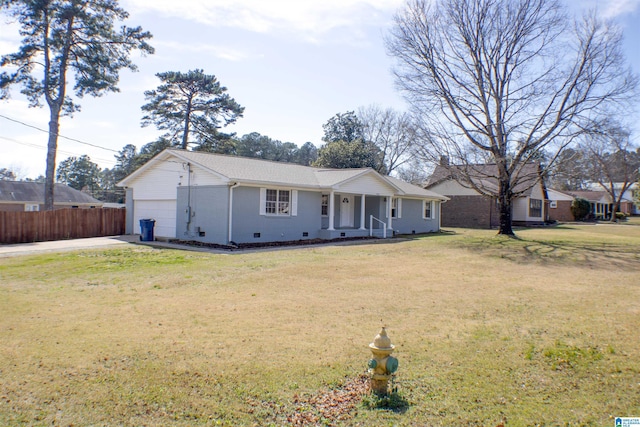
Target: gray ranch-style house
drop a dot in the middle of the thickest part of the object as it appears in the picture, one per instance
(220, 199)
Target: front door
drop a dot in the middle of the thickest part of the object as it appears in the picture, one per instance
(346, 211)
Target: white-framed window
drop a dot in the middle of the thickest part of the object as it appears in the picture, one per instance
(535, 208)
(324, 210)
(427, 209)
(278, 202)
(553, 204)
(31, 208)
(396, 207)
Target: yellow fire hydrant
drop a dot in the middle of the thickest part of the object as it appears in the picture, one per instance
(383, 365)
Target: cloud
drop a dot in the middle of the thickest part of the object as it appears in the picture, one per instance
(615, 8)
(309, 19)
(222, 52)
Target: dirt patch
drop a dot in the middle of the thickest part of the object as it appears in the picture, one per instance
(331, 406)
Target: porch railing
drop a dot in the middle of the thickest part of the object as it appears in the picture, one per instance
(384, 226)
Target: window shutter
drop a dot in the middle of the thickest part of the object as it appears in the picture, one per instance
(294, 203)
(399, 213)
(263, 201)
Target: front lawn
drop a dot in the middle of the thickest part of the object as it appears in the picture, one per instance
(540, 331)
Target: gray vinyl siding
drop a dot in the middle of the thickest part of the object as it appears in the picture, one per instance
(375, 206)
(209, 214)
(247, 221)
(412, 222)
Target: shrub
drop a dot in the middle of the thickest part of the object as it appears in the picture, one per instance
(580, 208)
(621, 216)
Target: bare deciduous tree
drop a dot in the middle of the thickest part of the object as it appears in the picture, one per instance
(612, 160)
(391, 131)
(502, 81)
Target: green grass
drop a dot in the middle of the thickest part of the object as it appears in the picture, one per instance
(536, 331)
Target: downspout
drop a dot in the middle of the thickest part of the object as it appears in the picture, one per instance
(230, 221)
(188, 197)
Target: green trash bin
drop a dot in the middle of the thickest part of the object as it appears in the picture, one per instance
(146, 229)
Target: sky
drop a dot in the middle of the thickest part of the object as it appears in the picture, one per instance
(292, 64)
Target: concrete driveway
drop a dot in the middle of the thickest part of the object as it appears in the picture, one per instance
(64, 245)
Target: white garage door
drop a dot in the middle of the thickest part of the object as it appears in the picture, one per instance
(163, 211)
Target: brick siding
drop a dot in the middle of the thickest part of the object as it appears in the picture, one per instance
(470, 212)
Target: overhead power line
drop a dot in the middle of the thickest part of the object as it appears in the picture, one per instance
(68, 153)
(59, 135)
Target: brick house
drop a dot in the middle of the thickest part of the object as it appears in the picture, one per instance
(29, 196)
(559, 206)
(468, 208)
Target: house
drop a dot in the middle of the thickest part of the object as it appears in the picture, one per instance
(467, 207)
(559, 206)
(29, 196)
(219, 199)
(628, 202)
(601, 204)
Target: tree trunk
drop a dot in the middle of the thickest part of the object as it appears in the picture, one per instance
(52, 148)
(187, 120)
(504, 207)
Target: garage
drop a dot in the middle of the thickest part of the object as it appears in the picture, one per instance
(162, 211)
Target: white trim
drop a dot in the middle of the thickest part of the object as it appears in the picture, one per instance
(263, 201)
(362, 216)
(431, 209)
(331, 211)
(230, 221)
(294, 202)
(398, 201)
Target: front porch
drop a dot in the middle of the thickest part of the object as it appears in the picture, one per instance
(349, 215)
(338, 233)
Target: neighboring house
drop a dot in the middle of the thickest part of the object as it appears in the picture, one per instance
(601, 203)
(29, 196)
(628, 202)
(559, 206)
(468, 208)
(213, 198)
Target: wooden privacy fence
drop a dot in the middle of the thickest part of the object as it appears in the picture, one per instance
(61, 224)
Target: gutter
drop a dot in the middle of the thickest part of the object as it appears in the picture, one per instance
(230, 220)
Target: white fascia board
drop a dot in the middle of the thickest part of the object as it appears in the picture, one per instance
(142, 169)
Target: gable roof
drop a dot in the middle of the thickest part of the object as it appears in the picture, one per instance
(33, 192)
(485, 175)
(413, 190)
(259, 171)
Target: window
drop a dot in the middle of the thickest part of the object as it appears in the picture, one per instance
(31, 208)
(277, 202)
(396, 208)
(428, 209)
(325, 205)
(553, 204)
(535, 207)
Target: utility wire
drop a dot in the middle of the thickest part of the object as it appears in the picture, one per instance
(60, 136)
(40, 147)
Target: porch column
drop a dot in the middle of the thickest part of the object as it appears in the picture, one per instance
(331, 210)
(362, 216)
(388, 208)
